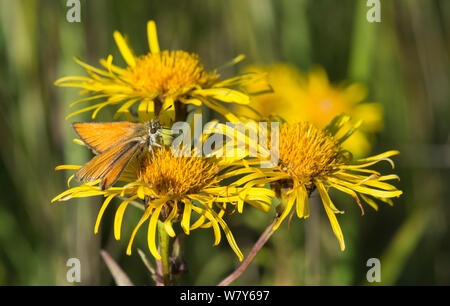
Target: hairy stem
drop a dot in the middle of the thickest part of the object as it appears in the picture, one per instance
(258, 245)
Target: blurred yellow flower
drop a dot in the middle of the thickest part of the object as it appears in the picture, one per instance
(311, 97)
(173, 188)
(155, 81)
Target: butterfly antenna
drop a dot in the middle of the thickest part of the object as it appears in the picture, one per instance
(165, 110)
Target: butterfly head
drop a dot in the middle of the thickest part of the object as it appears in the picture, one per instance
(154, 127)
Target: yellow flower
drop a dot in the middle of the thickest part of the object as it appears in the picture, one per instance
(311, 158)
(173, 188)
(311, 97)
(154, 81)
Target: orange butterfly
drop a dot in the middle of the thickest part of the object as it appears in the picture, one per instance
(115, 144)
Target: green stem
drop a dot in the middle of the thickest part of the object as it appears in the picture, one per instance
(164, 251)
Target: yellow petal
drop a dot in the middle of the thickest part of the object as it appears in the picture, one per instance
(327, 204)
(152, 37)
(200, 221)
(95, 106)
(140, 192)
(88, 99)
(144, 218)
(168, 221)
(119, 216)
(124, 109)
(112, 68)
(247, 78)
(151, 236)
(290, 203)
(366, 190)
(90, 68)
(221, 110)
(369, 201)
(102, 210)
(224, 95)
(126, 52)
(69, 180)
(379, 157)
(68, 167)
(193, 101)
(228, 235)
(234, 61)
(186, 220)
(371, 114)
(143, 115)
(213, 222)
(302, 205)
(78, 192)
(167, 115)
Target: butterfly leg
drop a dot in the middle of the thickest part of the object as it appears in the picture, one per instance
(146, 201)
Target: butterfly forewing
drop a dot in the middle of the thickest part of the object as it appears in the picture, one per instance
(103, 136)
(109, 165)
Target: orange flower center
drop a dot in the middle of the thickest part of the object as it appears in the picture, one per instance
(168, 72)
(171, 175)
(307, 152)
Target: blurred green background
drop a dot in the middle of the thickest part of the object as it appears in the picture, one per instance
(403, 60)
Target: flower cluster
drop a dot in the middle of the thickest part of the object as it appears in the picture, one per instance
(197, 190)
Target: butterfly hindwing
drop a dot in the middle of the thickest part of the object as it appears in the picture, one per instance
(109, 165)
